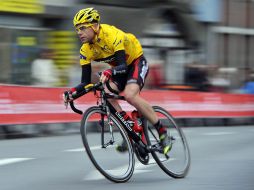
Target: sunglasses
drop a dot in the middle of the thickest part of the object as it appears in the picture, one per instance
(82, 27)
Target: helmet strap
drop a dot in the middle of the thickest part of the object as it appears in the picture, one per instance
(96, 31)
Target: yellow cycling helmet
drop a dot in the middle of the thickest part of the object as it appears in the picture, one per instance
(88, 15)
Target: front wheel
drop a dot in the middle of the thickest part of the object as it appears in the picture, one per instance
(177, 162)
(101, 134)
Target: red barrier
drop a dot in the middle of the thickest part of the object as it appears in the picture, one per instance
(27, 105)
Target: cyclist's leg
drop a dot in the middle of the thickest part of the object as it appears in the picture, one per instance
(132, 96)
(135, 82)
(117, 83)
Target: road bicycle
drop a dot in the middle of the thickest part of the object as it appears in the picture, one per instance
(103, 128)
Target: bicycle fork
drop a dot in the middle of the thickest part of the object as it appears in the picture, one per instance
(110, 123)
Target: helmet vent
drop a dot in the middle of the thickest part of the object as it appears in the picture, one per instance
(81, 16)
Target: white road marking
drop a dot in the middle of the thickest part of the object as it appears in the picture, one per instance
(139, 168)
(75, 150)
(13, 160)
(96, 175)
(219, 133)
(83, 149)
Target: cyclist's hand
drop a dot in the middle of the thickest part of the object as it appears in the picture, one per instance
(67, 97)
(106, 75)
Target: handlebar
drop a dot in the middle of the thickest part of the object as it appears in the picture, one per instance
(94, 87)
(75, 109)
(111, 89)
(97, 86)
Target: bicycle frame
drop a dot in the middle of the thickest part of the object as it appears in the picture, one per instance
(132, 135)
(107, 106)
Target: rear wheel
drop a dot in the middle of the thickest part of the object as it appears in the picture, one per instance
(177, 162)
(100, 136)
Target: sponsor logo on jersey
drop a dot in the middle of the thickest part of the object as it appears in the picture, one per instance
(144, 70)
(109, 59)
(82, 57)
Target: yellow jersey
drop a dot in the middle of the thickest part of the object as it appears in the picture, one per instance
(110, 40)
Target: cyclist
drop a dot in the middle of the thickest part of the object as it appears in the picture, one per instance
(123, 52)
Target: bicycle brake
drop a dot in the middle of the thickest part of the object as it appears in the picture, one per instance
(66, 105)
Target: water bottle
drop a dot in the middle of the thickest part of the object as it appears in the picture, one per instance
(137, 121)
(138, 125)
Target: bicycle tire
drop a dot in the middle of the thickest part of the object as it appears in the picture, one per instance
(97, 161)
(176, 134)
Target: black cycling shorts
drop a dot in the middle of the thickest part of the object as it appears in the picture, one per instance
(136, 73)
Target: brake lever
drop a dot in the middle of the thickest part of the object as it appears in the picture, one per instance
(66, 105)
(65, 102)
(99, 74)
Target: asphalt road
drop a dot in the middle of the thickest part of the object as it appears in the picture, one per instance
(222, 159)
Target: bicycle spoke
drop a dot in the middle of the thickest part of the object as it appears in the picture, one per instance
(176, 163)
(106, 133)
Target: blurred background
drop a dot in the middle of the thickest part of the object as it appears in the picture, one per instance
(205, 45)
(194, 48)
(191, 45)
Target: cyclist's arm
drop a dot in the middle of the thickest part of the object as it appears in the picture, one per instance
(85, 77)
(86, 73)
(117, 43)
(121, 65)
